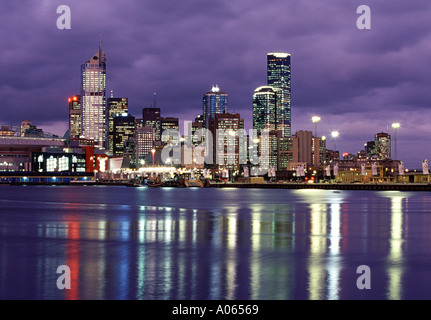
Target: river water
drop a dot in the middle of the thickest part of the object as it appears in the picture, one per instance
(214, 243)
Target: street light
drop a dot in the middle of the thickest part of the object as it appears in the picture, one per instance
(396, 126)
(315, 120)
(334, 135)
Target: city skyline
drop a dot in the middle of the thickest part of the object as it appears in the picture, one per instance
(340, 73)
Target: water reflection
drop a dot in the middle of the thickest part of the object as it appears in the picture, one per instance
(324, 262)
(395, 258)
(300, 244)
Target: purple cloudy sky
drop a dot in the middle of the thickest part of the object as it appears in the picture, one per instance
(358, 81)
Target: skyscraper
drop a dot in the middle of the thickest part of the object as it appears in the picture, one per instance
(93, 99)
(278, 70)
(228, 140)
(116, 107)
(144, 142)
(265, 101)
(123, 129)
(170, 123)
(382, 142)
(151, 118)
(75, 116)
(214, 102)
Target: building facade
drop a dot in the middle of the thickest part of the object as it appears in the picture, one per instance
(278, 76)
(93, 99)
(265, 105)
(214, 102)
(123, 129)
(227, 131)
(75, 116)
(144, 142)
(116, 107)
(151, 118)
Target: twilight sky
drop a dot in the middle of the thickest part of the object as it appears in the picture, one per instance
(358, 81)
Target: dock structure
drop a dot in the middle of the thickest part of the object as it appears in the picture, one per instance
(330, 186)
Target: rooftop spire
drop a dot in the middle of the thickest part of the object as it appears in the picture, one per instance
(100, 42)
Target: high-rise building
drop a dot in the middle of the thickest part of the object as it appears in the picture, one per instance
(144, 142)
(227, 140)
(123, 129)
(383, 145)
(194, 126)
(170, 123)
(278, 76)
(151, 118)
(265, 101)
(93, 99)
(116, 107)
(75, 116)
(214, 102)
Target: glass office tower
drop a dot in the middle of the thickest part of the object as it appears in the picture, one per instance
(278, 69)
(265, 102)
(214, 102)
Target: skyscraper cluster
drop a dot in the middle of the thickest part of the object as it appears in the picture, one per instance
(102, 129)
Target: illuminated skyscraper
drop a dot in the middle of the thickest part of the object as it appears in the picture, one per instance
(75, 116)
(170, 123)
(278, 69)
(144, 142)
(228, 140)
(265, 101)
(214, 102)
(151, 118)
(93, 92)
(116, 107)
(123, 129)
(382, 142)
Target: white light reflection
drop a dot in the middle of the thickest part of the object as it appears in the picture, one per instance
(316, 268)
(255, 258)
(231, 276)
(325, 260)
(334, 263)
(395, 258)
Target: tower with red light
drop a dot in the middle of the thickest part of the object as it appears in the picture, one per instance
(75, 116)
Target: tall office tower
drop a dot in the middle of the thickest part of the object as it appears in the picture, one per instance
(144, 142)
(75, 116)
(194, 126)
(93, 99)
(383, 145)
(151, 118)
(265, 100)
(116, 107)
(170, 123)
(278, 69)
(228, 142)
(214, 102)
(123, 129)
